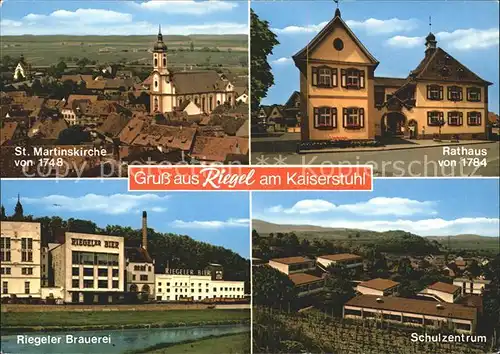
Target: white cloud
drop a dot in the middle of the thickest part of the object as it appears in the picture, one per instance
(426, 227)
(373, 26)
(82, 16)
(472, 38)
(187, 7)
(107, 204)
(301, 29)
(10, 23)
(460, 39)
(374, 206)
(405, 42)
(211, 224)
(282, 61)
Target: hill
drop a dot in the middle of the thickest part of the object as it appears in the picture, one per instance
(381, 239)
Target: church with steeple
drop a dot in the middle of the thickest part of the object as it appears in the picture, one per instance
(343, 98)
(172, 90)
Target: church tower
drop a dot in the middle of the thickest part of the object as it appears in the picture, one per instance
(161, 79)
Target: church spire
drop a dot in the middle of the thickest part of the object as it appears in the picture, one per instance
(159, 45)
(337, 10)
(18, 210)
(430, 40)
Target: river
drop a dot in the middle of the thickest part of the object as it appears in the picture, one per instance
(122, 341)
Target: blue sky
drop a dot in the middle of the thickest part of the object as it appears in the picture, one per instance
(392, 31)
(217, 218)
(427, 207)
(123, 17)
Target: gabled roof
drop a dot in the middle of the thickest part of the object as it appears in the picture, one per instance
(7, 131)
(187, 82)
(137, 255)
(340, 257)
(304, 278)
(114, 124)
(439, 65)
(216, 149)
(292, 98)
(337, 20)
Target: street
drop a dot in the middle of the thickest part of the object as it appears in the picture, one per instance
(417, 162)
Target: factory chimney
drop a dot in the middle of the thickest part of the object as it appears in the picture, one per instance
(144, 230)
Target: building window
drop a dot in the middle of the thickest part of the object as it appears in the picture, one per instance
(435, 118)
(156, 84)
(102, 284)
(354, 118)
(133, 276)
(338, 44)
(144, 277)
(434, 92)
(75, 271)
(6, 271)
(155, 108)
(115, 284)
(325, 117)
(5, 243)
(474, 118)
(88, 272)
(27, 271)
(455, 118)
(156, 62)
(26, 287)
(473, 94)
(114, 273)
(102, 272)
(455, 93)
(88, 283)
(75, 283)
(325, 77)
(353, 78)
(164, 61)
(168, 284)
(215, 290)
(5, 287)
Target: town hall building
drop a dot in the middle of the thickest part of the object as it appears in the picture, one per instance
(171, 90)
(341, 98)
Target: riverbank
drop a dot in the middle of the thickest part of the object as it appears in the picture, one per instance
(18, 322)
(228, 343)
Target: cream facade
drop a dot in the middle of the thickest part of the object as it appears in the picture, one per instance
(341, 259)
(178, 287)
(90, 268)
(292, 265)
(410, 312)
(442, 292)
(471, 286)
(342, 99)
(20, 259)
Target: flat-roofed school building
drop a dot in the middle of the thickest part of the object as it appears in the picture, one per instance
(442, 292)
(307, 284)
(90, 268)
(378, 286)
(291, 265)
(20, 252)
(347, 260)
(412, 312)
(472, 286)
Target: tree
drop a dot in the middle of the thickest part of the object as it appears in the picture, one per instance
(273, 289)
(474, 269)
(61, 66)
(263, 41)
(338, 288)
(2, 216)
(191, 46)
(82, 63)
(74, 135)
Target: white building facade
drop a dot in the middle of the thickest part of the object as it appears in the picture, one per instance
(182, 284)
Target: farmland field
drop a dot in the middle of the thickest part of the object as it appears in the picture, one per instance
(39, 51)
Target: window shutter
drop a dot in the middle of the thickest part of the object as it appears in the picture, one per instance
(428, 93)
(361, 78)
(316, 117)
(362, 117)
(429, 118)
(440, 92)
(344, 117)
(460, 94)
(449, 117)
(460, 118)
(479, 118)
(334, 78)
(449, 93)
(479, 94)
(333, 112)
(441, 117)
(343, 78)
(314, 76)
(468, 118)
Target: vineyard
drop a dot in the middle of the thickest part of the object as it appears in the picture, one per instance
(280, 332)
